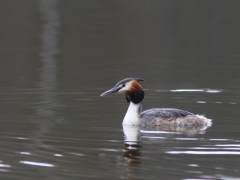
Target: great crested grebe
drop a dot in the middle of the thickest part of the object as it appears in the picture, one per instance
(156, 116)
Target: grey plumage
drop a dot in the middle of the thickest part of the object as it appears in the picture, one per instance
(170, 116)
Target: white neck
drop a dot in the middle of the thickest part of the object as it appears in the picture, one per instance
(132, 115)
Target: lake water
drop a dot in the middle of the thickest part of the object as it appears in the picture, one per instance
(58, 56)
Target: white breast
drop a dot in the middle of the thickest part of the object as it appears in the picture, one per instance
(132, 115)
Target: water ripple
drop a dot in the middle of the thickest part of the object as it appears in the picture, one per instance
(205, 152)
(37, 163)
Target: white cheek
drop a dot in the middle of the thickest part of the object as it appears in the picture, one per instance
(126, 88)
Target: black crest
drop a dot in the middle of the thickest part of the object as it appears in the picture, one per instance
(127, 80)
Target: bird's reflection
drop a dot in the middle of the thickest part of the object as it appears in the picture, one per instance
(133, 144)
(128, 165)
(132, 137)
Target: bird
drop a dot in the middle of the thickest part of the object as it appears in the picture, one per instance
(152, 117)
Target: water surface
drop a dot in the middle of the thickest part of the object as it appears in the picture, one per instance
(57, 57)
